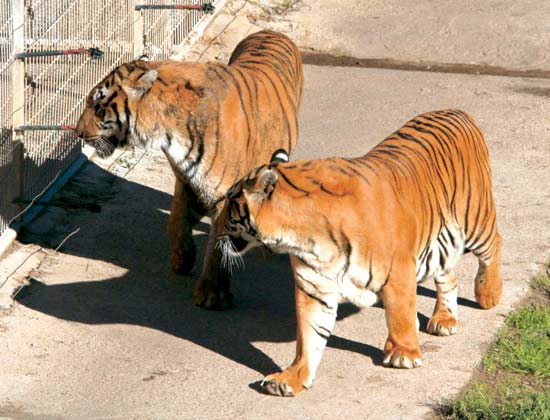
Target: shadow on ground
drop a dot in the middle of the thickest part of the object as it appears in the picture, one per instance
(127, 229)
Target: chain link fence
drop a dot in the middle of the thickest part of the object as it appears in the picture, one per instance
(52, 52)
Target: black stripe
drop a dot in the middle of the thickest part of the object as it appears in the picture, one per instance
(114, 107)
(370, 271)
(468, 237)
(387, 277)
(110, 98)
(359, 174)
(195, 136)
(442, 259)
(283, 110)
(240, 94)
(128, 114)
(324, 189)
(363, 161)
(289, 182)
(347, 254)
(439, 141)
(212, 69)
(216, 142)
(251, 103)
(321, 334)
(317, 299)
(162, 81)
(329, 231)
(449, 134)
(473, 247)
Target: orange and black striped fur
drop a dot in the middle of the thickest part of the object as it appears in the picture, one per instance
(214, 122)
(370, 228)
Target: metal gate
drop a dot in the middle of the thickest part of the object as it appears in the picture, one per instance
(52, 52)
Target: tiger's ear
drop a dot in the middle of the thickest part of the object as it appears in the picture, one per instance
(137, 89)
(266, 182)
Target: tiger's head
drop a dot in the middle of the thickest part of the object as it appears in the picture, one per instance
(240, 214)
(108, 118)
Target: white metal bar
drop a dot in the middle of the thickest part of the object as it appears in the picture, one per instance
(137, 24)
(18, 69)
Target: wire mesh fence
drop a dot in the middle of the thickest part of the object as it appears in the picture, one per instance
(7, 180)
(165, 29)
(57, 86)
(41, 89)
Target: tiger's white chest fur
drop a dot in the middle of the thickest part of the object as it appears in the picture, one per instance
(335, 275)
(181, 161)
(326, 283)
(185, 161)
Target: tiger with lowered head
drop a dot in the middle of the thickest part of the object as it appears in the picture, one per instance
(370, 228)
(214, 123)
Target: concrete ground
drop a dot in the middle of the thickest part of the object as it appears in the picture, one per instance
(105, 330)
(501, 36)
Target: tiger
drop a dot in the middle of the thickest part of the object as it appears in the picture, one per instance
(214, 122)
(372, 227)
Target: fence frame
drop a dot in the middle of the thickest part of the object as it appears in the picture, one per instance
(18, 91)
(136, 27)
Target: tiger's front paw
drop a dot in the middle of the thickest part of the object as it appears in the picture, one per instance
(210, 298)
(442, 323)
(287, 383)
(401, 357)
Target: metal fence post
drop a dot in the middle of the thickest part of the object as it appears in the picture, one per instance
(137, 23)
(18, 92)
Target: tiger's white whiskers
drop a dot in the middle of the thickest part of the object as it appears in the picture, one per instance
(230, 257)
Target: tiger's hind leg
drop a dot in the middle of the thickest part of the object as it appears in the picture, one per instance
(488, 283)
(185, 213)
(444, 320)
(402, 349)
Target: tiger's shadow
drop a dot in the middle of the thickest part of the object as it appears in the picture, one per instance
(129, 231)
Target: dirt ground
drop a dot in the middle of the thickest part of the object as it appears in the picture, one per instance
(105, 330)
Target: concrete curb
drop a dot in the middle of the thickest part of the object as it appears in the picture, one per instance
(87, 153)
(6, 241)
(198, 31)
(19, 259)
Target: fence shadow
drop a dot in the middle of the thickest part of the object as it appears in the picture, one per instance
(123, 223)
